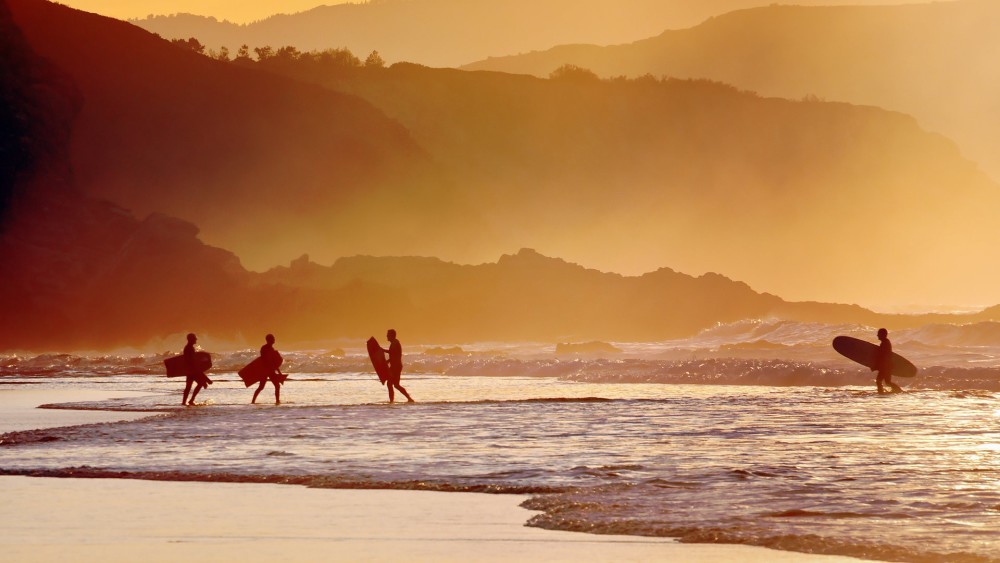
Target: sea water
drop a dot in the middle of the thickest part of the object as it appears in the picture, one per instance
(723, 438)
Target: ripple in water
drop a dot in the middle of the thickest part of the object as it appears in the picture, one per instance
(909, 477)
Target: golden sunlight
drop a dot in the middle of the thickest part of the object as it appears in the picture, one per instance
(235, 11)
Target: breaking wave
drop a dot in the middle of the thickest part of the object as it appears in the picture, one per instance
(774, 353)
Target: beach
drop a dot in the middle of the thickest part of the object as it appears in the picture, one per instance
(19, 408)
(49, 519)
(85, 520)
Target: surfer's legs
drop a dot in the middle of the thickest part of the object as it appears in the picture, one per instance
(888, 381)
(395, 372)
(277, 393)
(394, 384)
(197, 388)
(187, 389)
(401, 390)
(257, 392)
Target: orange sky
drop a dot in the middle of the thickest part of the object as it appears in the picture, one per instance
(239, 11)
(245, 11)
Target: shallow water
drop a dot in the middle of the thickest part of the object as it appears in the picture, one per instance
(761, 352)
(908, 477)
(754, 432)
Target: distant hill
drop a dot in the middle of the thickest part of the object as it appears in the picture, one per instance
(935, 61)
(507, 299)
(805, 199)
(436, 301)
(79, 271)
(455, 32)
(82, 273)
(264, 165)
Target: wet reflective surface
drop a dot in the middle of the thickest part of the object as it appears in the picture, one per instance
(909, 477)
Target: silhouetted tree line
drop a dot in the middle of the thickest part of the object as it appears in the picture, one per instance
(285, 56)
(287, 59)
(190, 44)
(290, 61)
(573, 73)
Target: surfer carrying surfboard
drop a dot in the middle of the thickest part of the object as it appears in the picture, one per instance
(883, 363)
(192, 372)
(875, 357)
(395, 353)
(272, 360)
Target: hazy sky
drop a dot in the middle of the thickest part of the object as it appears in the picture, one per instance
(239, 11)
(244, 11)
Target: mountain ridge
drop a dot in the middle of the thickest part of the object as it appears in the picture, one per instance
(452, 32)
(873, 55)
(88, 273)
(624, 175)
(166, 130)
(620, 173)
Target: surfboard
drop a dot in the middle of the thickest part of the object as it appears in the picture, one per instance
(177, 368)
(259, 370)
(378, 360)
(865, 353)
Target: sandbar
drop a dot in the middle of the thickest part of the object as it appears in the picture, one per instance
(19, 408)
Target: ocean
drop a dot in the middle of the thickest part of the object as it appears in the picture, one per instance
(754, 433)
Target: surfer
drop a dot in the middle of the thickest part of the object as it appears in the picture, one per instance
(273, 359)
(883, 363)
(192, 372)
(395, 353)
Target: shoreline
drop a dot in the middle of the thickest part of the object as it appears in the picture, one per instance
(100, 520)
(19, 408)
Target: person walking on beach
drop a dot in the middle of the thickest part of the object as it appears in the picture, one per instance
(194, 375)
(883, 363)
(395, 353)
(273, 360)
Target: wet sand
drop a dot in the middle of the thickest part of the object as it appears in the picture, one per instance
(108, 520)
(19, 408)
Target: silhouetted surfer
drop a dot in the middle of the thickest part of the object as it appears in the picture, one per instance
(273, 359)
(883, 363)
(395, 352)
(194, 375)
